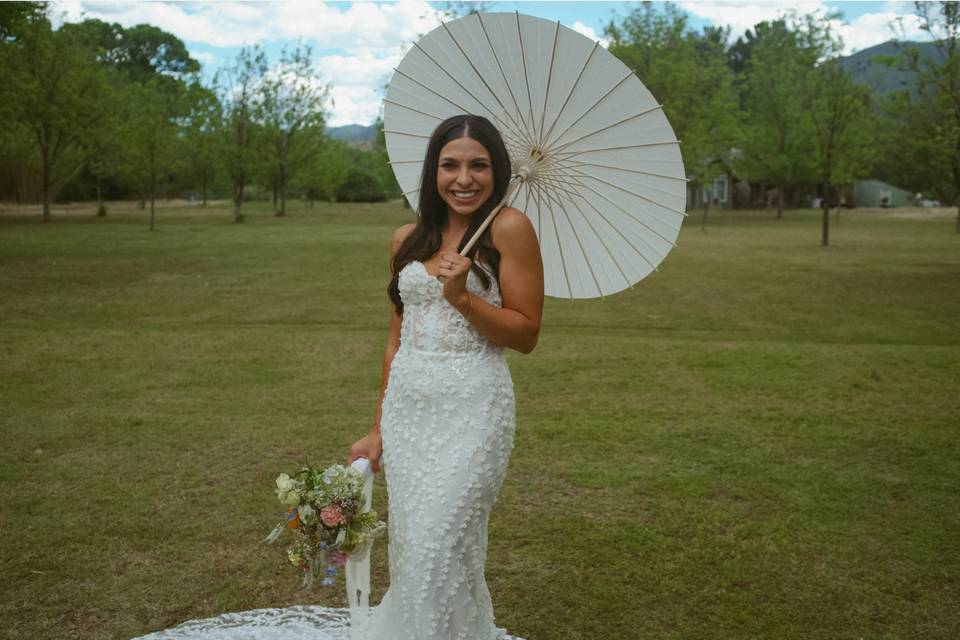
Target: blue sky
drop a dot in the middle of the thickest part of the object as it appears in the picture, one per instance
(357, 44)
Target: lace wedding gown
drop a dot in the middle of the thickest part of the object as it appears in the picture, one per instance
(448, 426)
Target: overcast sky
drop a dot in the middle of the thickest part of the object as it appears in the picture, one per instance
(357, 44)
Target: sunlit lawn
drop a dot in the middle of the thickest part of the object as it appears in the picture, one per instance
(759, 441)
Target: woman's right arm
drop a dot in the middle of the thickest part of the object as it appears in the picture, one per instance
(371, 445)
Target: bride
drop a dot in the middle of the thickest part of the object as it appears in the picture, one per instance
(445, 422)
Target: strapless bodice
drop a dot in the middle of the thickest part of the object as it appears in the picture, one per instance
(430, 323)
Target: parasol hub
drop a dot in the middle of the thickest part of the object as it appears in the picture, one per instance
(528, 169)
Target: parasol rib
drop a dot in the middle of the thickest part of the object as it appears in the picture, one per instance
(459, 84)
(526, 78)
(480, 76)
(575, 165)
(556, 235)
(405, 133)
(606, 128)
(594, 105)
(628, 214)
(563, 106)
(628, 191)
(546, 93)
(613, 258)
(503, 74)
(620, 233)
(506, 133)
(583, 252)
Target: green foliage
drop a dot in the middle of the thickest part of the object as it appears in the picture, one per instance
(138, 53)
(925, 124)
(325, 165)
(52, 85)
(151, 135)
(688, 73)
(777, 145)
(238, 86)
(292, 98)
(360, 186)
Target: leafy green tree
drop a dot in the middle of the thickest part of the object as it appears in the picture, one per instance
(688, 73)
(925, 125)
(239, 86)
(777, 145)
(52, 84)
(202, 137)
(325, 166)
(152, 136)
(292, 97)
(140, 52)
(840, 113)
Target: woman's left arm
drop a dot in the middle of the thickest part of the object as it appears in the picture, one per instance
(517, 323)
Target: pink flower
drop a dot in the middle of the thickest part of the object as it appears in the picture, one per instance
(331, 516)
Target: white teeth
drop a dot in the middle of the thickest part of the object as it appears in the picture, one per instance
(465, 194)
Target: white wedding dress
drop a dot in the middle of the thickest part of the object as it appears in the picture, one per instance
(448, 426)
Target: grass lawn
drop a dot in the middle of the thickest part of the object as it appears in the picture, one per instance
(762, 440)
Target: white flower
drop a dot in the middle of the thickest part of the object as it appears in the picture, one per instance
(306, 513)
(284, 483)
(291, 498)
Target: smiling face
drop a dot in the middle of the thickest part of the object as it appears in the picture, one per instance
(464, 176)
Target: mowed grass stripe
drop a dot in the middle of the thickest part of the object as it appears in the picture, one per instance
(758, 441)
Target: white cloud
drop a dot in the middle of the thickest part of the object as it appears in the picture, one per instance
(231, 24)
(866, 30)
(205, 57)
(359, 77)
(589, 31)
(870, 29)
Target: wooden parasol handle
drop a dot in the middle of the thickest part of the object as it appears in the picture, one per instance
(515, 182)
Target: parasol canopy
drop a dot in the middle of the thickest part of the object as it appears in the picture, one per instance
(597, 167)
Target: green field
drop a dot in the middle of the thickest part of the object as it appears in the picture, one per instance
(759, 441)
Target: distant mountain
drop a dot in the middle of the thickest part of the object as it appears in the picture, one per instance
(354, 134)
(884, 79)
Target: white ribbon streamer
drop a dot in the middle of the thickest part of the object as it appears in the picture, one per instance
(358, 563)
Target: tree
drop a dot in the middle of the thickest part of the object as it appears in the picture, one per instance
(139, 53)
(202, 137)
(152, 135)
(239, 85)
(840, 115)
(51, 84)
(778, 139)
(292, 98)
(926, 124)
(688, 73)
(325, 167)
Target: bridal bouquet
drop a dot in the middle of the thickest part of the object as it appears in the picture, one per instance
(326, 520)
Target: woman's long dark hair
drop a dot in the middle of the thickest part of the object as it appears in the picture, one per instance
(425, 239)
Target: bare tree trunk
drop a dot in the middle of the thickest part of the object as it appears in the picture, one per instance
(46, 188)
(282, 188)
(153, 195)
(825, 205)
(779, 202)
(237, 203)
(101, 210)
(958, 218)
(706, 210)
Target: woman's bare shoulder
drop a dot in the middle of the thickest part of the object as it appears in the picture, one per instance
(400, 235)
(512, 229)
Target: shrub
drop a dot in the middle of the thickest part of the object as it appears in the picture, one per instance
(360, 187)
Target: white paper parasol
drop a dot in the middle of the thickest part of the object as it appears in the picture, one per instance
(597, 166)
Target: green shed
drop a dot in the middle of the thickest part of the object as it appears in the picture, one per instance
(875, 193)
